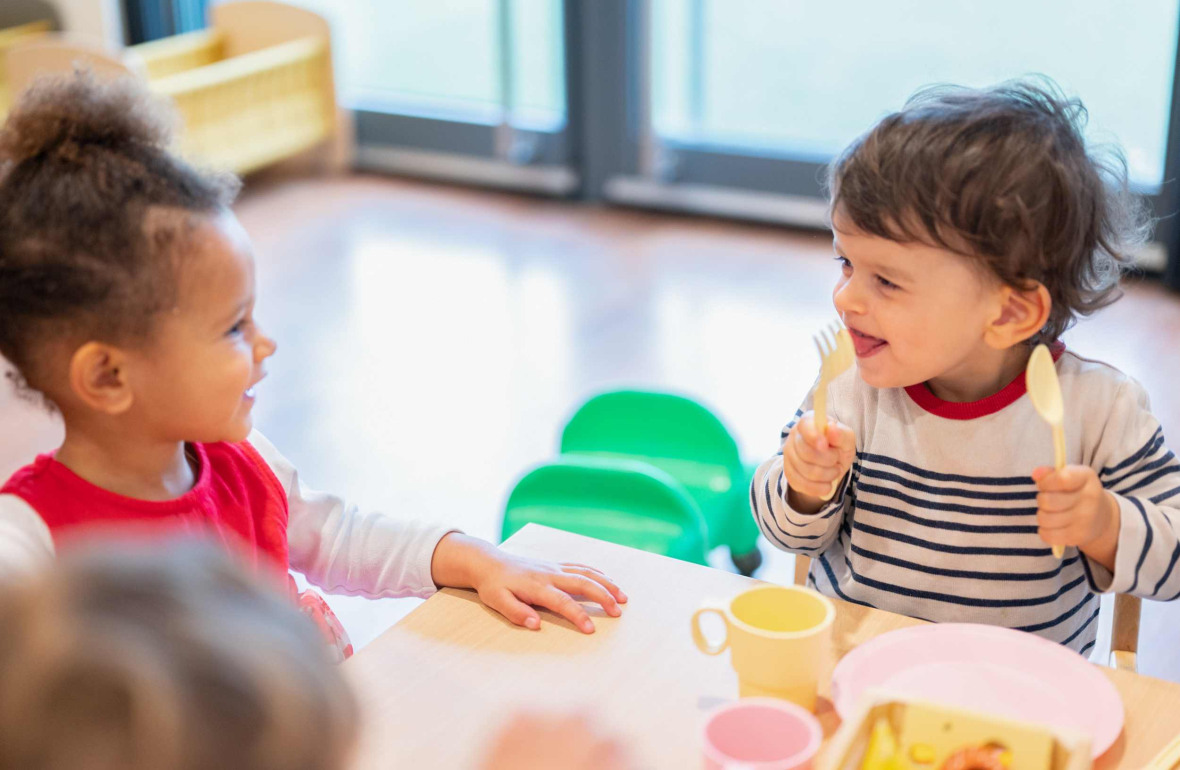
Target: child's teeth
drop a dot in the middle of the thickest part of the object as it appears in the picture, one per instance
(250, 393)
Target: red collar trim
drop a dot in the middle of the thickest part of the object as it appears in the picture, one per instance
(83, 489)
(970, 410)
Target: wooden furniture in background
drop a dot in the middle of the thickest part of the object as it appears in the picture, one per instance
(9, 38)
(255, 88)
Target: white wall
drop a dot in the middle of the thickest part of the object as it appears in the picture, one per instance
(29, 428)
(98, 20)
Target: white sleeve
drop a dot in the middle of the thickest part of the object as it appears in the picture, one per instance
(786, 528)
(1135, 464)
(343, 550)
(25, 542)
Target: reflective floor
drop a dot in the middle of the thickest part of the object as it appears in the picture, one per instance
(432, 341)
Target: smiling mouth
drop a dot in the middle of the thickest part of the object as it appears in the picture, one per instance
(865, 344)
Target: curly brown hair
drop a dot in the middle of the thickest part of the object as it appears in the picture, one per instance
(1001, 175)
(164, 658)
(92, 204)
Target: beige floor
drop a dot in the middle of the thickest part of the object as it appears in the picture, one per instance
(432, 340)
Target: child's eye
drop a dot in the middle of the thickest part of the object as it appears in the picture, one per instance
(844, 263)
(886, 283)
(237, 328)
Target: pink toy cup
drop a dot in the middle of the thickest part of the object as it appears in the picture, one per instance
(761, 734)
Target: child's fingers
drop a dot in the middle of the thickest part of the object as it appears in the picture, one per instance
(843, 441)
(599, 577)
(1053, 502)
(581, 566)
(505, 602)
(807, 429)
(809, 479)
(563, 604)
(840, 437)
(1057, 536)
(819, 474)
(819, 490)
(1069, 534)
(1055, 519)
(1071, 478)
(1058, 528)
(608, 755)
(809, 453)
(579, 585)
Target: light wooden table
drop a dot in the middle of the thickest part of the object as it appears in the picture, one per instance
(436, 687)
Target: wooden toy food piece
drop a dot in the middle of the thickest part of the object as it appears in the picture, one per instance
(976, 758)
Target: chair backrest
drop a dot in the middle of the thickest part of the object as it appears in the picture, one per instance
(802, 565)
(672, 432)
(1124, 636)
(620, 501)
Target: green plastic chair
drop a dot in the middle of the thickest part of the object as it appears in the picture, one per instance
(686, 441)
(628, 503)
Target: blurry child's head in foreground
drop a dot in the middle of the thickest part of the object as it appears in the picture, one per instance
(126, 285)
(166, 659)
(971, 223)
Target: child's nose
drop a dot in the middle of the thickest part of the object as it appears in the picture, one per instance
(265, 347)
(847, 298)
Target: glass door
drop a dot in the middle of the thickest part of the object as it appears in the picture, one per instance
(745, 101)
(467, 90)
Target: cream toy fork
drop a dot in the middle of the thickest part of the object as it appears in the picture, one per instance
(836, 354)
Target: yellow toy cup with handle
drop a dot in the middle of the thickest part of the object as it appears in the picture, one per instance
(779, 638)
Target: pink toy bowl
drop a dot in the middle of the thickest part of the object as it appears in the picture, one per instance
(761, 734)
(988, 670)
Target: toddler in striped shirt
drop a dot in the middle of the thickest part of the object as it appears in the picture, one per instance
(970, 226)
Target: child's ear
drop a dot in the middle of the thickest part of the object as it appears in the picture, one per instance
(1021, 314)
(98, 378)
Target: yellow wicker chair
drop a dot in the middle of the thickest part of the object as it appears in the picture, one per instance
(9, 38)
(255, 88)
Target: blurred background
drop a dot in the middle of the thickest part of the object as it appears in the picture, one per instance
(472, 215)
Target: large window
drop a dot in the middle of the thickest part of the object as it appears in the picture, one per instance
(730, 107)
(802, 79)
(456, 88)
(478, 60)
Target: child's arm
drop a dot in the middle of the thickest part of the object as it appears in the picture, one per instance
(793, 516)
(344, 550)
(1122, 511)
(25, 542)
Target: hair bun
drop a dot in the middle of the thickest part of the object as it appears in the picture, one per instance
(63, 114)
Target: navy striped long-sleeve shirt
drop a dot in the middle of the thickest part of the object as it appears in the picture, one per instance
(937, 517)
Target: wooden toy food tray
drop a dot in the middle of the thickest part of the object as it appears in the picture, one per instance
(939, 731)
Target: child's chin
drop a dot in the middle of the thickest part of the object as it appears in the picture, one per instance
(239, 431)
(877, 378)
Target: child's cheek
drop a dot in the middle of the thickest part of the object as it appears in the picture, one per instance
(245, 362)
